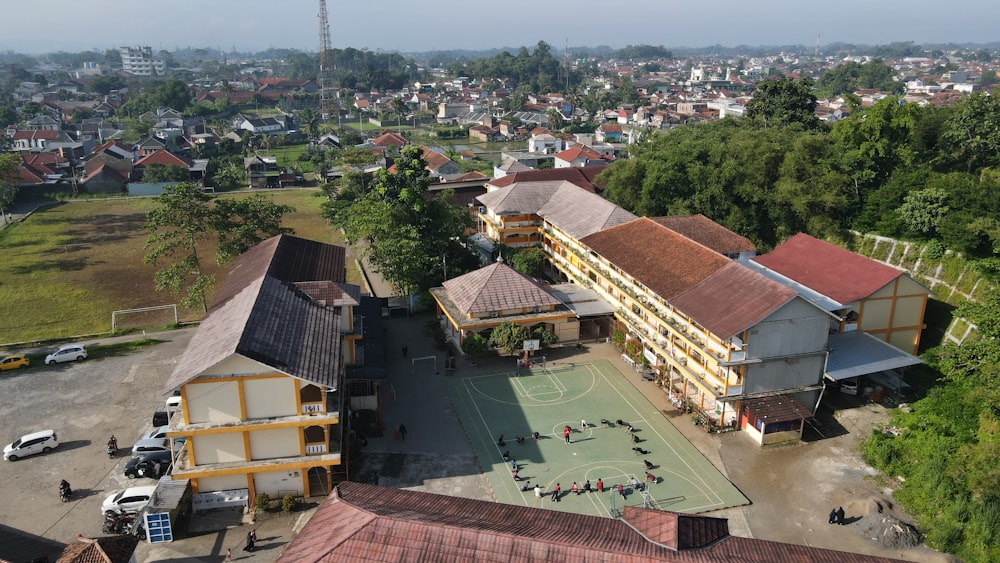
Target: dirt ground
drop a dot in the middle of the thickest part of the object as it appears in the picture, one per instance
(794, 487)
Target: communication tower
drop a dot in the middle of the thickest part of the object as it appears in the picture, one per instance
(328, 101)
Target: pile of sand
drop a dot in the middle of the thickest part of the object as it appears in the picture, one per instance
(868, 517)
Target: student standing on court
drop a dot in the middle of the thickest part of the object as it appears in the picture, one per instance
(600, 485)
(538, 491)
(575, 488)
(566, 432)
(555, 493)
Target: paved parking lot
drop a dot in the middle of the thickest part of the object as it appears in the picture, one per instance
(84, 402)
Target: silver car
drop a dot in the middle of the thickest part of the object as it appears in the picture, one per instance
(67, 353)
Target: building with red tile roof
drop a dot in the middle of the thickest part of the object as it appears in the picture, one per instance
(361, 522)
(580, 155)
(864, 294)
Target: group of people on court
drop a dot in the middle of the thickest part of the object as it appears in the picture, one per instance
(556, 494)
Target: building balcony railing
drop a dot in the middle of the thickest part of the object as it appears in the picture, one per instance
(310, 408)
(315, 448)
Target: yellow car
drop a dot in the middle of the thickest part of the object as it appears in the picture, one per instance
(14, 361)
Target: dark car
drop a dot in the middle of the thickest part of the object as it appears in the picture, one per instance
(152, 465)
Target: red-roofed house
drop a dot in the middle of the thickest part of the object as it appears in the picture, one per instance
(579, 156)
(163, 158)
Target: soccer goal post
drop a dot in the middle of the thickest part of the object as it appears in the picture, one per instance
(424, 363)
(143, 313)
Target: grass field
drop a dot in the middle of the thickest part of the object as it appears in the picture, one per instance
(69, 265)
(548, 400)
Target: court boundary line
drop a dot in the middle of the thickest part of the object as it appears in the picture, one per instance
(694, 479)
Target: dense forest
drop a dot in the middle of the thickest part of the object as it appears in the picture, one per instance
(902, 170)
(923, 173)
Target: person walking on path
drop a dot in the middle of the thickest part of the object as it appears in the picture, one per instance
(840, 515)
(555, 493)
(833, 516)
(402, 432)
(405, 350)
(566, 432)
(229, 555)
(249, 546)
(600, 485)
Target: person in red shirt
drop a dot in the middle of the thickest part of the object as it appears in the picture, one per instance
(555, 493)
(600, 485)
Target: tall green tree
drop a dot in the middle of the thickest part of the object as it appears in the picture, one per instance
(8, 192)
(412, 236)
(784, 101)
(178, 225)
(187, 218)
(973, 132)
(509, 336)
(240, 224)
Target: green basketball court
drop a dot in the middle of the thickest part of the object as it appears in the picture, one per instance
(547, 399)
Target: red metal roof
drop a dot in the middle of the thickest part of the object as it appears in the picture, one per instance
(835, 272)
(732, 300)
(659, 258)
(367, 523)
(707, 232)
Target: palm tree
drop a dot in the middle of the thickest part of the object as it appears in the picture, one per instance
(309, 122)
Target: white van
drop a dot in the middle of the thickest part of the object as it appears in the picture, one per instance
(30, 444)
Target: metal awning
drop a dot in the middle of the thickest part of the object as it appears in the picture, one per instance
(582, 301)
(776, 408)
(858, 353)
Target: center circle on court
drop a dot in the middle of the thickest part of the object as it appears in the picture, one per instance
(574, 431)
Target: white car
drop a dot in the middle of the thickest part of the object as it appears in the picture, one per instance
(30, 444)
(131, 500)
(146, 445)
(156, 432)
(67, 353)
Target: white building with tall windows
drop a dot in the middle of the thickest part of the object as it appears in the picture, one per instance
(139, 60)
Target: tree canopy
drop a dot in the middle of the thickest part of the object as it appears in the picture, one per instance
(187, 218)
(895, 168)
(413, 237)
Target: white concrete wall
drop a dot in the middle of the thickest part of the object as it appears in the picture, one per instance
(270, 396)
(218, 448)
(212, 401)
(279, 483)
(275, 443)
(222, 483)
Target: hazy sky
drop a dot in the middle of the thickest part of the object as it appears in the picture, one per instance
(75, 25)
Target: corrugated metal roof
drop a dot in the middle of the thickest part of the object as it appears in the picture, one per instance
(732, 299)
(776, 408)
(833, 271)
(579, 213)
(859, 353)
(259, 313)
(368, 523)
(705, 231)
(664, 261)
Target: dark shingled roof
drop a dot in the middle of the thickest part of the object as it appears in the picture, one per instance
(703, 230)
(659, 258)
(367, 523)
(260, 313)
(835, 272)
